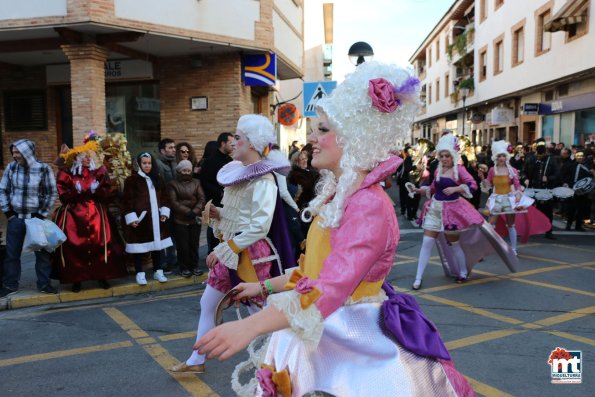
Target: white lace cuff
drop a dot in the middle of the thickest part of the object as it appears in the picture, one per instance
(226, 255)
(308, 324)
(164, 211)
(131, 217)
(466, 191)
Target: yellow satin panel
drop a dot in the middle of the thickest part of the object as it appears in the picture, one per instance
(281, 380)
(501, 185)
(318, 247)
(234, 247)
(246, 271)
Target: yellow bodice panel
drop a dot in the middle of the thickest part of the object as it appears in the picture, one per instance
(501, 185)
(318, 248)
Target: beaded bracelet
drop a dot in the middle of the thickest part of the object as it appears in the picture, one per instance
(263, 290)
(267, 283)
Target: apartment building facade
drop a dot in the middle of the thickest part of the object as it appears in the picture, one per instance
(514, 70)
(148, 68)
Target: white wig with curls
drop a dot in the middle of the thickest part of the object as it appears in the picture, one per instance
(258, 129)
(366, 133)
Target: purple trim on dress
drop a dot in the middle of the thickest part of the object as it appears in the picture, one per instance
(235, 172)
(409, 325)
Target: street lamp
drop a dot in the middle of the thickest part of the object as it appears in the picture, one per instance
(360, 52)
(464, 92)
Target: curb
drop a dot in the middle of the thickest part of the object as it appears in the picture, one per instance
(29, 298)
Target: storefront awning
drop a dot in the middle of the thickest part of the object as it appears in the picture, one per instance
(573, 12)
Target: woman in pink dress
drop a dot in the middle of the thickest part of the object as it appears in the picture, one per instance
(511, 212)
(326, 333)
(447, 211)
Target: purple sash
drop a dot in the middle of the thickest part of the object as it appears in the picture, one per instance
(409, 325)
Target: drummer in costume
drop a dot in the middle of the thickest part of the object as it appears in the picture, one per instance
(93, 249)
(249, 202)
(541, 171)
(507, 198)
(580, 178)
(325, 323)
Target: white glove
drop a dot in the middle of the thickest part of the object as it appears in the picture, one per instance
(78, 187)
(94, 186)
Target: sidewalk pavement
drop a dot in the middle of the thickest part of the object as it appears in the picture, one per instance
(28, 295)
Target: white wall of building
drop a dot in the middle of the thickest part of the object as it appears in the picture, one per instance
(292, 12)
(234, 18)
(10, 9)
(287, 39)
(561, 60)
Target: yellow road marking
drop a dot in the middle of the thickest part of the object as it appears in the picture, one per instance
(562, 318)
(573, 337)
(542, 259)
(190, 382)
(474, 310)
(125, 323)
(486, 336)
(178, 336)
(64, 353)
(552, 286)
(486, 390)
(185, 294)
(572, 248)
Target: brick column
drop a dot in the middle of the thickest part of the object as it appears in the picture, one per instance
(87, 87)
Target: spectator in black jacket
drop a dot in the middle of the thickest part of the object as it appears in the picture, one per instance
(208, 177)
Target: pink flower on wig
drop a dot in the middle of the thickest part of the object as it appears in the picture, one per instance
(382, 93)
(304, 285)
(265, 380)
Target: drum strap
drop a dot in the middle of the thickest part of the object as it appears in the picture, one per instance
(578, 168)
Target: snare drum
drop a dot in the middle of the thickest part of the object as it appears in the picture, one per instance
(543, 195)
(562, 193)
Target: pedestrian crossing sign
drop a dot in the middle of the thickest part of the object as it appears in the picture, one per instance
(313, 92)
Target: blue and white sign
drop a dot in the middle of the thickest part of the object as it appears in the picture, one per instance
(315, 91)
(260, 69)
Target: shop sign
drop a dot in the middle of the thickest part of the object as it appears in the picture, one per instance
(502, 116)
(259, 69)
(128, 69)
(557, 106)
(531, 108)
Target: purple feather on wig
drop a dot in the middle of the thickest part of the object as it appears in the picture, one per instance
(407, 90)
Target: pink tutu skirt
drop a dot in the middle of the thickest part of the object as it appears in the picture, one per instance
(449, 216)
(219, 274)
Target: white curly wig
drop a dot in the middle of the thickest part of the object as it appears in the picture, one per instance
(501, 147)
(366, 134)
(258, 129)
(448, 142)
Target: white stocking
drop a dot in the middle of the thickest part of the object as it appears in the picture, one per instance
(424, 256)
(206, 321)
(513, 237)
(460, 258)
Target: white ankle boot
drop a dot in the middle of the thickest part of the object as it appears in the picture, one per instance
(159, 276)
(140, 278)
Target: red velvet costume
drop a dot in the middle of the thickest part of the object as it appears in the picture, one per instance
(92, 251)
